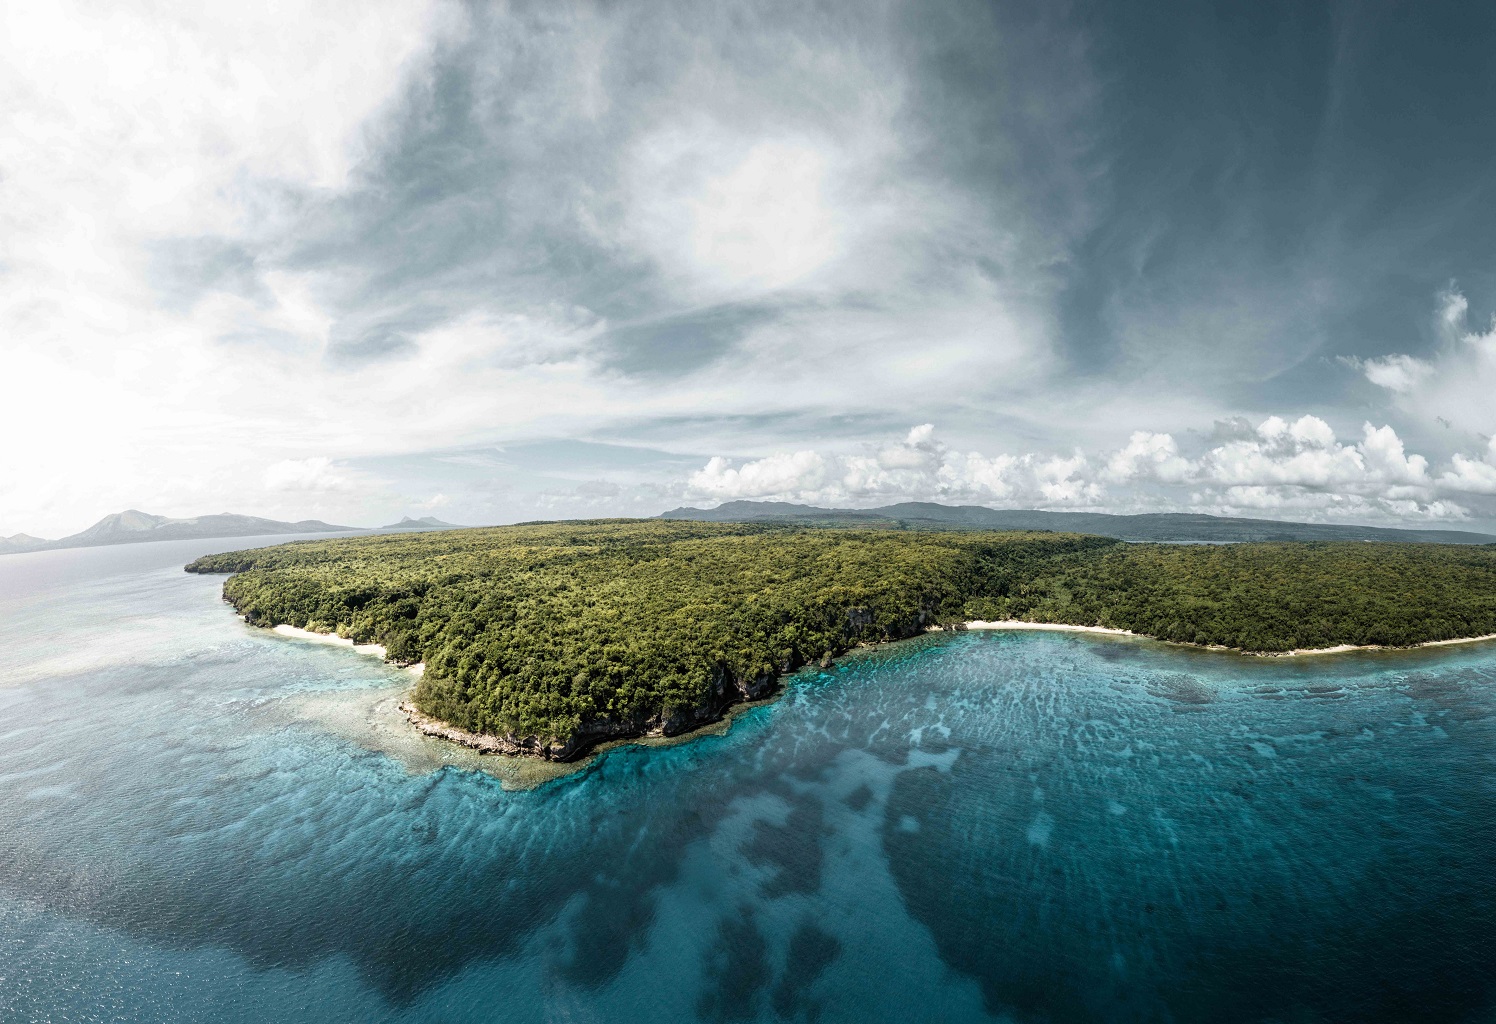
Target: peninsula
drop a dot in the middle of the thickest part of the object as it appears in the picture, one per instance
(552, 637)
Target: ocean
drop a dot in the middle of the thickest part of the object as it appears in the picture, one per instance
(202, 821)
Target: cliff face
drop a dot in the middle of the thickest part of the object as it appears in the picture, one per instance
(727, 691)
(590, 734)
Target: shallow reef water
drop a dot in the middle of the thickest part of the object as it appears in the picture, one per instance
(200, 821)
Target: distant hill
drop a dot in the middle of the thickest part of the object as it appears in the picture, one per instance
(19, 542)
(133, 527)
(1152, 526)
(423, 523)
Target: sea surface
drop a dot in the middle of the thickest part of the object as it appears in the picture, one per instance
(201, 821)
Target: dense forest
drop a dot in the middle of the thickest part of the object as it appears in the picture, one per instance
(576, 631)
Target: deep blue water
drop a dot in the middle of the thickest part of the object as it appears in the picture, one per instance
(1035, 827)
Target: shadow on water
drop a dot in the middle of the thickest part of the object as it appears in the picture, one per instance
(411, 886)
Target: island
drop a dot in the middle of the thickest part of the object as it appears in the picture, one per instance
(548, 638)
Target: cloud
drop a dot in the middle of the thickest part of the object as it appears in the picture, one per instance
(1397, 373)
(1291, 466)
(314, 474)
(1306, 454)
(1147, 456)
(1472, 475)
(920, 467)
(755, 213)
(798, 473)
(233, 238)
(1452, 385)
(378, 228)
(151, 153)
(1045, 480)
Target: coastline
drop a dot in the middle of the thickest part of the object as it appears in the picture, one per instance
(1343, 648)
(372, 650)
(582, 748)
(1057, 627)
(483, 743)
(1298, 652)
(575, 754)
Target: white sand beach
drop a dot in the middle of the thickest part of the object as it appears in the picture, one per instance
(1052, 626)
(1342, 648)
(374, 650)
(1299, 652)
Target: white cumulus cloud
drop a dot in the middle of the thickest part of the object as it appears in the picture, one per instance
(1455, 383)
(1398, 373)
(1296, 466)
(783, 474)
(1148, 456)
(1472, 475)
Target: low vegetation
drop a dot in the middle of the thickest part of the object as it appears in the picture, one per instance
(575, 631)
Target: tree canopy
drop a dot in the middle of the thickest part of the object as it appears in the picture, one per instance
(565, 631)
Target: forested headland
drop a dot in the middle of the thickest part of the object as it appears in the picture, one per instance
(567, 633)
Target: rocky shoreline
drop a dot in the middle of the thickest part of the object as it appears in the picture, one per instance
(483, 743)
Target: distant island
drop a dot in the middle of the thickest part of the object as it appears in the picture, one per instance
(548, 638)
(1175, 527)
(423, 523)
(136, 527)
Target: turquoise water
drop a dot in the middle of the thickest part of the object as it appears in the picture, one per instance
(1029, 826)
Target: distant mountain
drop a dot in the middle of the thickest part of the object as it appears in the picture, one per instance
(133, 527)
(1153, 526)
(19, 542)
(423, 523)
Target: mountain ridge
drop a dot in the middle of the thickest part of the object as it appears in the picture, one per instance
(1168, 527)
(133, 526)
(18, 542)
(423, 523)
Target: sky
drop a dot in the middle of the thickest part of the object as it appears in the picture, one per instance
(499, 262)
